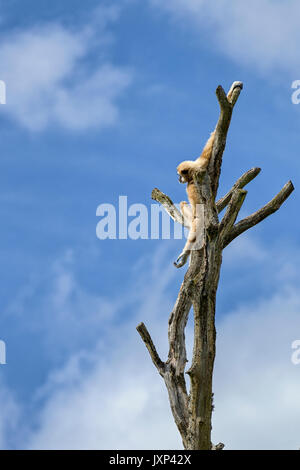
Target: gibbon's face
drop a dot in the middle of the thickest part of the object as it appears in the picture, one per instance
(184, 171)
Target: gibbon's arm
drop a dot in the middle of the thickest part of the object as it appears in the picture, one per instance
(202, 162)
(192, 237)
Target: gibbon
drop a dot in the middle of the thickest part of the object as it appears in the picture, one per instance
(186, 170)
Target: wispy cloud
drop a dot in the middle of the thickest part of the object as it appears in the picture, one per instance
(66, 316)
(262, 33)
(103, 389)
(9, 416)
(51, 82)
(120, 403)
(256, 384)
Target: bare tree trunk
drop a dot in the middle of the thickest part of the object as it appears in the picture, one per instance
(193, 412)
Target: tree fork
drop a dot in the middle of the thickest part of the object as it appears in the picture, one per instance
(193, 412)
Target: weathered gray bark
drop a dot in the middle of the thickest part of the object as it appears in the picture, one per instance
(193, 412)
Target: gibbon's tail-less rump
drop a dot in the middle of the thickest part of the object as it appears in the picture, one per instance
(185, 172)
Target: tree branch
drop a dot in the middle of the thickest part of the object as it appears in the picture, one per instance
(169, 206)
(145, 335)
(261, 214)
(226, 107)
(232, 211)
(239, 184)
(222, 99)
(177, 323)
(219, 446)
(234, 92)
(203, 187)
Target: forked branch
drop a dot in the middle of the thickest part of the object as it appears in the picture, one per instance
(233, 208)
(239, 184)
(261, 214)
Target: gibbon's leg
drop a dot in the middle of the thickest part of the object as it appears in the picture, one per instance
(194, 225)
(192, 237)
(186, 211)
(183, 257)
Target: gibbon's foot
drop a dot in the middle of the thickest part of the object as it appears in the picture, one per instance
(181, 260)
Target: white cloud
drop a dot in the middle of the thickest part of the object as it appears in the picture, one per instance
(50, 81)
(256, 384)
(122, 403)
(261, 33)
(119, 404)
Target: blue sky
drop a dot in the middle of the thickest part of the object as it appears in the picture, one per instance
(105, 99)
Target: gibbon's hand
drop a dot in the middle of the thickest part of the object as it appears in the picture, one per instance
(181, 260)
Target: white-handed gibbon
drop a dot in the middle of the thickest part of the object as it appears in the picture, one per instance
(186, 170)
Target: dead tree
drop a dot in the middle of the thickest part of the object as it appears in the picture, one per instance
(192, 411)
